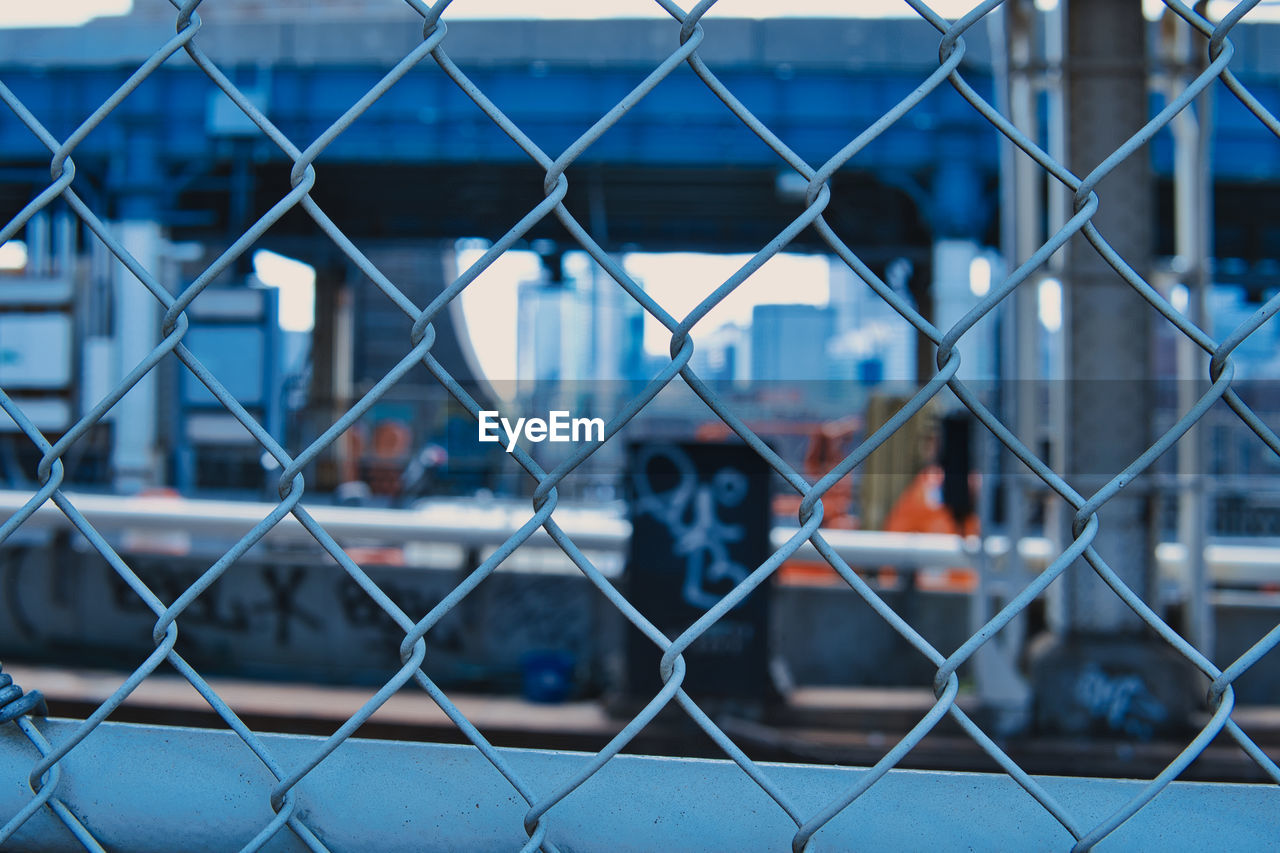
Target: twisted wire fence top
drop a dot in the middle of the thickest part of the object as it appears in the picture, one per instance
(687, 36)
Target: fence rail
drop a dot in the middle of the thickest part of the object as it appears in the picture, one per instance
(97, 784)
(455, 523)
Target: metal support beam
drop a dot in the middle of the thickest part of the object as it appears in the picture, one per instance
(999, 683)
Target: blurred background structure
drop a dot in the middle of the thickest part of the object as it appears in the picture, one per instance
(941, 520)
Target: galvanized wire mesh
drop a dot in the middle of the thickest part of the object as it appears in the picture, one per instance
(542, 795)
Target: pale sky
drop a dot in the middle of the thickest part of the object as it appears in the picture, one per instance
(678, 281)
(13, 13)
(17, 13)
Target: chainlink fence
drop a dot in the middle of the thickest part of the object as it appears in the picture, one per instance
(56, 790)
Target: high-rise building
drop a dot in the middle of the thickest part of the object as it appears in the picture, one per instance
(723, 354)
(789, 342)
(616, 345)
(872, 342)
(552, 333)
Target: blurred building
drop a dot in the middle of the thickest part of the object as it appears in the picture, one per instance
(724, 354)
(550, 345)
(872, 343)
(1258, 355)
(789, 342)
(579, 340)
(616, 345)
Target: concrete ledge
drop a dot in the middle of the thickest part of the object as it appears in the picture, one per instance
(193, 789)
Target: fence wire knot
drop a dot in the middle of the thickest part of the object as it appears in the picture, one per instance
(14, 703)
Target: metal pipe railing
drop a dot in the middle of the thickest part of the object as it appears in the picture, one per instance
(489, 524)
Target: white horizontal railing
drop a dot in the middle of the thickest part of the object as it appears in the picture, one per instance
(485, 525)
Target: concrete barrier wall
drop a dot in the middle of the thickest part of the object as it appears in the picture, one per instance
(298, 616)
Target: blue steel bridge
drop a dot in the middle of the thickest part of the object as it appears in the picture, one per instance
(424, 166)
(678, 172)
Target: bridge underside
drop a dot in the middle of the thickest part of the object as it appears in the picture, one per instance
(654, 209)
(625, 208)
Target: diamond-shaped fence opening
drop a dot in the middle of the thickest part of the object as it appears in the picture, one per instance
(1066, 129)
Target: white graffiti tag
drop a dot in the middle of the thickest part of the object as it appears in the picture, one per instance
(1124, 702)
(689, 511)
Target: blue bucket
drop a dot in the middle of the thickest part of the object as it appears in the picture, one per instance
(547, 675)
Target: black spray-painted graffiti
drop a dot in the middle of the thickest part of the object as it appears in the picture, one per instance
(225, 607)
(307, 615)
(540, 613)
(361, 612)
(283, 603)
(214, 608)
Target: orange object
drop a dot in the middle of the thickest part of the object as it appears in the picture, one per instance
(919, 509)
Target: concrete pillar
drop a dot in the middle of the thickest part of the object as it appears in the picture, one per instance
(331, 370)
(39, 245)
(135, 460)
(1193, 225)
(1107, 325)
(1103, 674)
(136, 180)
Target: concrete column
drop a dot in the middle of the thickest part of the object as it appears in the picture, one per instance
(331, 369)
(1193, 225)
(1107, 325)
(39, 245)
(136, 181)
(135, 460)
(1103, 674)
